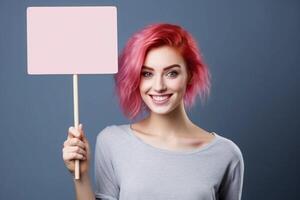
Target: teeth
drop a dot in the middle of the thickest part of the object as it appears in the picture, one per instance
(160, 98)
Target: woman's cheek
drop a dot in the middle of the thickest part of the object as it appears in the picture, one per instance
(178, 84)
(144, 86)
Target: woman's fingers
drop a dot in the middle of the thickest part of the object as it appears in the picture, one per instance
(74, 149)
(73, 156)
(73, 132)
(73, 152)
(74, 142)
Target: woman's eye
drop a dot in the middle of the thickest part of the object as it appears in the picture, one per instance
(146, 74)
(173, 73)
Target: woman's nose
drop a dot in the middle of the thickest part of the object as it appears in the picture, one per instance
(159, 85)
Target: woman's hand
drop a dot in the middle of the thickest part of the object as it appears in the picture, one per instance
(76, 147)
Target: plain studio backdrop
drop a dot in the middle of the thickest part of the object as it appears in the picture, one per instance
(252, 50)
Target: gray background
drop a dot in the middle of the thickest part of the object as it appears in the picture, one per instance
(252, 50)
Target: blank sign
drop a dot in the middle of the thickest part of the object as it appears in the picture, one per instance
(72, 40)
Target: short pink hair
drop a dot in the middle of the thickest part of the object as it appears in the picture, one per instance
(132, 58)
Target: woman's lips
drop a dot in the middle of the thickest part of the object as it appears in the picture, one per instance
(160, 99)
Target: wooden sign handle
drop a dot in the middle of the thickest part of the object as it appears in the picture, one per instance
(76, 119)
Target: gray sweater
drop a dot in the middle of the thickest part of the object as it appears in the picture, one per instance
(127, 168)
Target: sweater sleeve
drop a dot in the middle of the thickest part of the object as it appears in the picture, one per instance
(232, 184)
(105, 178)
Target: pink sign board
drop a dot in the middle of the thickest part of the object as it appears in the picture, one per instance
(72, 40)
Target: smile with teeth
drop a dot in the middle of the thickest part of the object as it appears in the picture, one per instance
(160, 98)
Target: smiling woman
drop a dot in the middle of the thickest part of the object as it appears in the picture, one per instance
(164, 88)
(181, 45)
(164, 155)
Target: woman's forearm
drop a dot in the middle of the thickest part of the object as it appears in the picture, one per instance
(83, 188)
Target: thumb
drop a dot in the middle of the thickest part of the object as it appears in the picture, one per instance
(82, 132)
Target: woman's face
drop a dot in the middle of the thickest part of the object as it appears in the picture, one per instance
(163, 79)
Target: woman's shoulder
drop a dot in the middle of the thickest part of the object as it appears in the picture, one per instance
(113, 139)
(112, 133)
(229, 147)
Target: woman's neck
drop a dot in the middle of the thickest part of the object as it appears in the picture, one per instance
(175, 123)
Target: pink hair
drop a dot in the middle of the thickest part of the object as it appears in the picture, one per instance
(132, 58)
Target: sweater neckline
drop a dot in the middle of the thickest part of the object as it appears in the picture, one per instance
(172, 152)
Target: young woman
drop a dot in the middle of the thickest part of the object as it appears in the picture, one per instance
(164, 155)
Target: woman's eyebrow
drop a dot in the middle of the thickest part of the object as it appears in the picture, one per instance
(166, 68)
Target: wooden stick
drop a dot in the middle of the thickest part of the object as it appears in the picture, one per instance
(76, 119)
